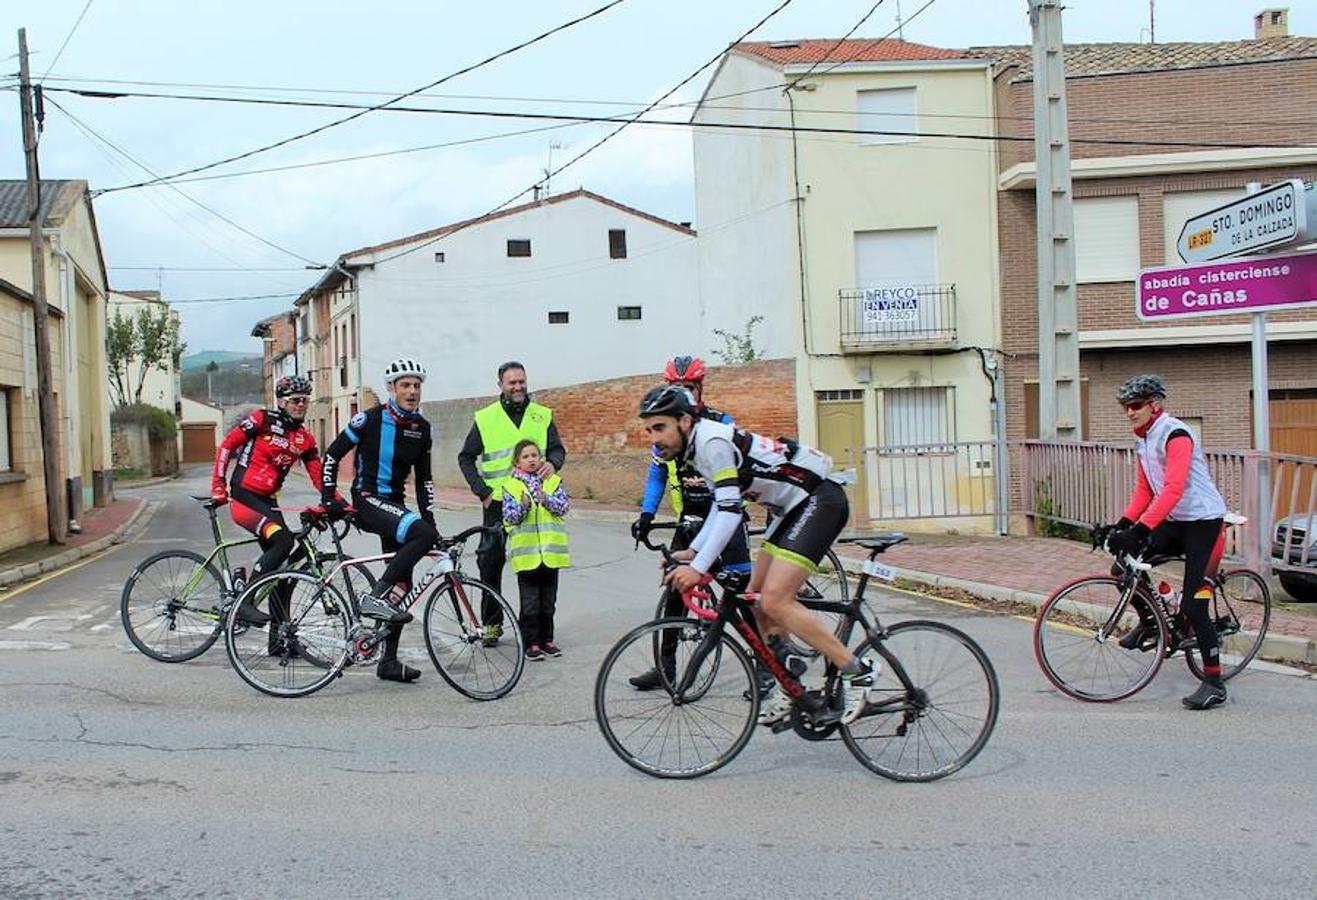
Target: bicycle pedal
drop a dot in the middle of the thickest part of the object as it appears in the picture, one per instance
(781, 725)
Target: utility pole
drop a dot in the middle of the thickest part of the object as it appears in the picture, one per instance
(56, 522)
(1059, 415)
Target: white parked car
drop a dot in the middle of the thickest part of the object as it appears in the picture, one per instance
(1295, 542)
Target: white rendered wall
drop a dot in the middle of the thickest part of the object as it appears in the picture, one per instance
(463, 317)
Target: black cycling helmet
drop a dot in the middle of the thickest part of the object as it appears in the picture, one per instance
(1141, 387)
(668, 400)
(292, 386)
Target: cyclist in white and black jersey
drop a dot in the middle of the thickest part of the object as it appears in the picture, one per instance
(810, 509)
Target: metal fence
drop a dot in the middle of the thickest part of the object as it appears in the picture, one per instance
(875, 318)
(1082, 483)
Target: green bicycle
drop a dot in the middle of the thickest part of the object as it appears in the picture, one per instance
(174, 603)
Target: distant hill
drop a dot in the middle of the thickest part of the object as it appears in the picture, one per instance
(205, 357)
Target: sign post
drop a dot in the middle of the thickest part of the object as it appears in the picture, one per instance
(1213, 285)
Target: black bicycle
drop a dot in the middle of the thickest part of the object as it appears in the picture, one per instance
(931, 712)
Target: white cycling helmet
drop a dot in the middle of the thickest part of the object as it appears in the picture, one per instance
(403, 368)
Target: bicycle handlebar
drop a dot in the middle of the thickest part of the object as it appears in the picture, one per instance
(463, 536)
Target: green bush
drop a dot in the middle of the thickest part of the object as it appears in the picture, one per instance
(1046, 507)
(159, 424)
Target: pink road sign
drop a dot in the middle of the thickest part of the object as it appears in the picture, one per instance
(1252, 284)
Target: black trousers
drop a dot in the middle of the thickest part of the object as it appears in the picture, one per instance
(1200, 542)
(539, 601)
(491, 554)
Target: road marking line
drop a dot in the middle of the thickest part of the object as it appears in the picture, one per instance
(26, 624)
(35, 645)
(23, 589)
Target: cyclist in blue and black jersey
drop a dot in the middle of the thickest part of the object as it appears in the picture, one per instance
(391, 441)
(690, 496)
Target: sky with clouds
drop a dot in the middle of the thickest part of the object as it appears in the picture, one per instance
(279, 222)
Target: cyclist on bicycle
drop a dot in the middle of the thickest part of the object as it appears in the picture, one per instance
(1175, 510)
(809, 508)
(690, 498)
(266, 445)
(391, 442)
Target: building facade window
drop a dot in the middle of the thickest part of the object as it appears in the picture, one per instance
(558, 317)
(439, 256)
(6, 435)
(1106, 239)
(628, 313)
(918, 418)
(518, 247)
(887, 110)
(352, 333)
(617, 243)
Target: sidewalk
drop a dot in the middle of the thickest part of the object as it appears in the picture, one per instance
(1026, 570)
(100, 529)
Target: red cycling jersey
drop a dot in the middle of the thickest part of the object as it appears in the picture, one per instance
(267, 443)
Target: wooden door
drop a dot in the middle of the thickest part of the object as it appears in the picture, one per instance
(841, 436)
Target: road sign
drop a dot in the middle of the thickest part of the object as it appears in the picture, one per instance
(1252, 284)
(1273, 217)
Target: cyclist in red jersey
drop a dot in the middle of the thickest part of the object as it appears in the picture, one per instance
(265, 445)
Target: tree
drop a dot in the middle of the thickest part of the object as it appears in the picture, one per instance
(739, 349)
(149, 339)
(120, 348)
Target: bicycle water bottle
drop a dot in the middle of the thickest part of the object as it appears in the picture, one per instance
(1165, 593)
(239, 578)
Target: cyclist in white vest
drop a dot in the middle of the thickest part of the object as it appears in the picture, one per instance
(1175, 510)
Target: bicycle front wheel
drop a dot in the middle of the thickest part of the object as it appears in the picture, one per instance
(1241, 611)
(171, 606)
(1077, 635)
(935, 720)
(477, 666)
(306, 644)
(677, 735)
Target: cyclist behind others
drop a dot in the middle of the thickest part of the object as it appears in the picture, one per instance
(265, 445)
(391, 442)
(1175, 510)
(809, 509)
(691, 498)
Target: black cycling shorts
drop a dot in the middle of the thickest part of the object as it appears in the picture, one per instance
(387, 518)
(804, 534)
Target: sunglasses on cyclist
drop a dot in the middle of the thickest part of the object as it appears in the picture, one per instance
(1135, 405)
(302, 400)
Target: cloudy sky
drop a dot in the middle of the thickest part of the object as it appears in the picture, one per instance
(279, 222)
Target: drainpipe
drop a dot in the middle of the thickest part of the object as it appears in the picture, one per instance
(992, 372)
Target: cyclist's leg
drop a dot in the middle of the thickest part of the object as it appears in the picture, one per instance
(257, 514)
(790, 554)
(405, 534)
(1204, 542)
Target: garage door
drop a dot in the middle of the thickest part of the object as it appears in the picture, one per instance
(198, 441)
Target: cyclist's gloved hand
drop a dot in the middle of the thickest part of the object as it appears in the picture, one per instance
(218, 495)
(640, 527)
(1102, 532)
(1129, 541)
(335, 506)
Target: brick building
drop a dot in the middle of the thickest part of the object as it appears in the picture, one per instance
(279, 351)
(1130, 202)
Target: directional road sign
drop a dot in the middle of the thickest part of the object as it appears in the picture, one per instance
(1277, 215)
(1253, 284)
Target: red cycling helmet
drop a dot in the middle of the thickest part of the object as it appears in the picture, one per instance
(684, 368)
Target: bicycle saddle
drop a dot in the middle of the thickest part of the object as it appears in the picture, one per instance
(205, 501)
(876, 542)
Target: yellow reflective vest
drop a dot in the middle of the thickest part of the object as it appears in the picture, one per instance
(498, 436)
(541, 537)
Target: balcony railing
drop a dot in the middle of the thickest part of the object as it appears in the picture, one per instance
(898, 317)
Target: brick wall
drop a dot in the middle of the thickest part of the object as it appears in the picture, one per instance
(606, 449)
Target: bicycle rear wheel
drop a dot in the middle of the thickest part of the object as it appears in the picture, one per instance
(476, 668)
(937, 725)
(1241, 610)
(306, 644)
(669, 738)
(1076, 641)
(171, 606)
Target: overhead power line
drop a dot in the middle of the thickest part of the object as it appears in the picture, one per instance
(629, 120)
(69, 37)
(322, 128)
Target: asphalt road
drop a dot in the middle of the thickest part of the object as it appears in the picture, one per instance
(124, 777)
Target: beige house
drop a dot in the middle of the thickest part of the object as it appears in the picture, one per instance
(870, 254)
(76, 293)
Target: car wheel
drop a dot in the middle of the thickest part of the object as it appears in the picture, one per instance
(1302, 586)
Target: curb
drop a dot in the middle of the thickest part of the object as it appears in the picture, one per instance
(1285, 647)
(139, 519)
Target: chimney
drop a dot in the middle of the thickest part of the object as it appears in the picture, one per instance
(1271, 23)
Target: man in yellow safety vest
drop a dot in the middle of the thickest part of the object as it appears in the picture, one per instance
(486, 460)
